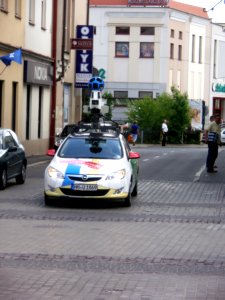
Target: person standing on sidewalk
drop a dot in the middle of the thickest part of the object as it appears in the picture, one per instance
(212, 137)
(164, 132)
(134, 132)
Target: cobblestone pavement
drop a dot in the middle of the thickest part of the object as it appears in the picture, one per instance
(169, 245)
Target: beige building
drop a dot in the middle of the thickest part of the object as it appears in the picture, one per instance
(38, 97)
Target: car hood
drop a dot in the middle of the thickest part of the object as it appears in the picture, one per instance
(86, 166)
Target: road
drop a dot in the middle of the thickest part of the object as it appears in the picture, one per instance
(168, 245)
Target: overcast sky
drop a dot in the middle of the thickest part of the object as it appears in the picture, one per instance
(217, 14)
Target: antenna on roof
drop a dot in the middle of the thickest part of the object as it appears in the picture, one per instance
(212, 8)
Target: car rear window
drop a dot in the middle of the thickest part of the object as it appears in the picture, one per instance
(91, 148)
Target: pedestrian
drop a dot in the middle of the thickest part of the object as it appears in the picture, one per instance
(164, 132)
(134, 132)
(212, 137)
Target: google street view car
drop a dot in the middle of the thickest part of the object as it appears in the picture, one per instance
(94, 165)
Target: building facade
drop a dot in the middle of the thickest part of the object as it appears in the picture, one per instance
(38, 97)
(143, 49)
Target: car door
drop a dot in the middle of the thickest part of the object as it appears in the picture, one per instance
(13, 156)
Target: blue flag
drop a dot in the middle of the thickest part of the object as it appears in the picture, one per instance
(14, 56)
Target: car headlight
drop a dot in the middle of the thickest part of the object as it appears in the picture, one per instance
(54, 173)
(120, 174)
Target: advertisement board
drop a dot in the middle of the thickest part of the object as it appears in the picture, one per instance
(84, 58)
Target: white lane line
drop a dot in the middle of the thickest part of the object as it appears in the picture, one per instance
(198, 174)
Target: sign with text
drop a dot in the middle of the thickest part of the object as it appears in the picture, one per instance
(84, 58)
(82, 44)
(148, 2)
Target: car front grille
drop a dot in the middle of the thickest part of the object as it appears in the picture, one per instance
(70, 192)
(87, 179)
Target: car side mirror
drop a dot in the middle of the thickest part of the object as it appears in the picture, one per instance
(51, 152)
(134, 155)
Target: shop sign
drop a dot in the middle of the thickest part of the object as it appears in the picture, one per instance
(218, 87)
(149, 2)
(37, 73)
(84, 58)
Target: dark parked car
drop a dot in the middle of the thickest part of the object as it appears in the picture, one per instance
(68, 129)
(13, 162)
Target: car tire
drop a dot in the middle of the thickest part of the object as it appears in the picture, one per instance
(20, 179)
(48, 202)
(135, 190)
(3, 179)
(127, 201)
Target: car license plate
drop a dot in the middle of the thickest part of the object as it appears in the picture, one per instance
(85, 187)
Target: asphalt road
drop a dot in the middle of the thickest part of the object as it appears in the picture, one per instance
(168, 245)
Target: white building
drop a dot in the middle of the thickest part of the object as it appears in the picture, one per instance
(145, 49)
(217, 84)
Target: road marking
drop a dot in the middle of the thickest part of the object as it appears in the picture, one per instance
(198, 174)
(146, 159)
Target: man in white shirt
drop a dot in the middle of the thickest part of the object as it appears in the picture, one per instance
(164, 132)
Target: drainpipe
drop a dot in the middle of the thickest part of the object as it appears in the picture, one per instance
(53, 98)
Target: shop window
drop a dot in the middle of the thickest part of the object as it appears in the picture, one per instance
(146, 50)
(122, 49)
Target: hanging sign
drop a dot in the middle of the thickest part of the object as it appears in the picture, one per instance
(84, 58)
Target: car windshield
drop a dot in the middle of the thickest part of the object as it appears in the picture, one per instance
(91, 148)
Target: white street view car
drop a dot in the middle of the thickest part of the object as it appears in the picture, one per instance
(92, 165)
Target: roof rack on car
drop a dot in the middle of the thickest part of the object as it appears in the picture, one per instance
(99, 127)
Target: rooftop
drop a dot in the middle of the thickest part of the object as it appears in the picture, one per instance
(190, 9)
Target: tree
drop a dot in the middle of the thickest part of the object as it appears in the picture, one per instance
(149, 114)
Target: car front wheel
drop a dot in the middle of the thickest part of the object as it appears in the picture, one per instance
(127, 201)
(3, 179)
(20, 179)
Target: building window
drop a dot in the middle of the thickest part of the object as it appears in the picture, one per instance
(180, 35)
(172, 33)
(193, 48)
(14, 105)
(200, 50)
(18, 8)
(32, 12)
(40, 110)
(4, 5)
(121, 94)
(179, 52)
(43, 14)
(122, 49)
(215, 59)
(172, 51)
(28, 112)
(1, 101)
(143, 94)
(147, 30)
(146, 50)
(123, 30)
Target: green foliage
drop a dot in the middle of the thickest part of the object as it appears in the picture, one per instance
(110, 101)
(150, 114)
